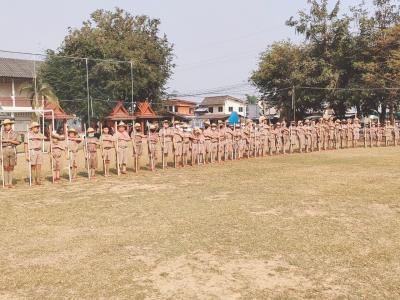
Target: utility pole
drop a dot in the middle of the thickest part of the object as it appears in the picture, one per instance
(294, 103)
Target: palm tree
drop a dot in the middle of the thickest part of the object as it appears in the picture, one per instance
(42, 91)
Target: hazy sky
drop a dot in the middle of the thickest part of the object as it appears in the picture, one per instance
(217, 42)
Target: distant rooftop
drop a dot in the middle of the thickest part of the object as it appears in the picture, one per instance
(219, 100)
(17, 68)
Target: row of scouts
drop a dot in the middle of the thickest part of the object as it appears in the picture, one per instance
(182, 145)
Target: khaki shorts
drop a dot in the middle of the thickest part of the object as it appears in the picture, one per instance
(10, 157)
(139, 149)
(177, 149)
(73, 158)
(93, 160)
(108, 153)
(36, 157)
(57, 165)
(167, 149)
(123, 156)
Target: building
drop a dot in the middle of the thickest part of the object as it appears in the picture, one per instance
(179, 109)
(220, 107)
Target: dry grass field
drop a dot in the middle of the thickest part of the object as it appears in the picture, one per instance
(319, 226)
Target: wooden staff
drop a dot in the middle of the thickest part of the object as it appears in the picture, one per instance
(2, 154)
(29, 155)
(163, 149)
(134, 149)
(116, 149)
(68, 153)
(51, 152)
(87, 155)
(102, 149)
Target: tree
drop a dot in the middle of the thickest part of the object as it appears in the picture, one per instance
(41, 91)
(284, 66)
(111, 40)
(251, 99)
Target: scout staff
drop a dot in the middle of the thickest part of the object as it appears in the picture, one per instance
(73, 142)
(138, 139)
(56, 149)
(9, 140)
(33, 152)
(107, 148)
(122, 139)
(92, 145)
(152, 141)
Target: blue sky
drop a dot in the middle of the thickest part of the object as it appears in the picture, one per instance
(217, 43)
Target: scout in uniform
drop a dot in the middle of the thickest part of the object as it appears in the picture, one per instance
(122, 138)
(185, 144)
(314, 138)
(356, 132)
(278, 138)
(300, 135)
(208, 135)
(73, 146)
(349, 134)
(237, 141)
(107, 149)
(214, 142)
(221, 140)
(56, 149)
(337, 134)
(285, 137)
(9, 142)
(343, 134)
(166, 134)
(331, 134)
(387, 133)
(307, 136)
(138, 139)
(34, 157)
(152, 141)
(177, 140)
(92, 145)
(229, 137)
(396, 133)
(198, 151)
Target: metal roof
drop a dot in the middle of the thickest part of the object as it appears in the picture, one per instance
(18, 68)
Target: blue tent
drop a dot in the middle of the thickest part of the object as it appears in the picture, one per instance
(234, 118)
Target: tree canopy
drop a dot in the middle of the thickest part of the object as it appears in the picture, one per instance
(112, 41)
(345, 60)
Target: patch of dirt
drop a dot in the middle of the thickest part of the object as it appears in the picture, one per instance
(204, 276)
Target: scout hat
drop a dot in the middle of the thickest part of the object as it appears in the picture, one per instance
(213, 125)
(237, 125)
(207, 123)
(152, 127)
(7, 121)
(90, 130)
(137, 125)
(220, 122)
(262, 118)
(72, 130)
(177, 122)
(121, 124)
(184, 125)
(165, 121)
(33, 125)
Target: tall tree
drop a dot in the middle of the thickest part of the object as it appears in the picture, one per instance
(111, 40)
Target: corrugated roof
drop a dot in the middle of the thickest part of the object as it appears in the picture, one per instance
(17, 68)
(219, 100)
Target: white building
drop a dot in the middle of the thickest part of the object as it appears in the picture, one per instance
(220, 107)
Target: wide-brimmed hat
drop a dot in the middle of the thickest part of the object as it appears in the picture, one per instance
(121, 124)
(73, 130)
(213, 125)
(7, 121)
(90, 130)
(34, 124)
(137, 125)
